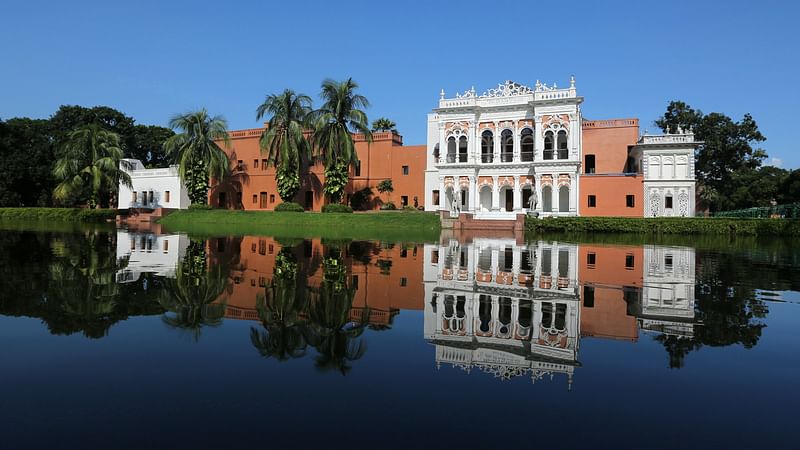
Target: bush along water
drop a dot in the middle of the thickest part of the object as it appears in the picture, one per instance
(665, 225)
(59, 214)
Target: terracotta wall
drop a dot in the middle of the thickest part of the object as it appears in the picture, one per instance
(383, 158)
(607, 316)
(611, 193)
(608, 141)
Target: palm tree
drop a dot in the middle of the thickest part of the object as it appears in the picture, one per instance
(384, 124)
(340, 115)
(283, 140)
(196, 151)
(91, 159)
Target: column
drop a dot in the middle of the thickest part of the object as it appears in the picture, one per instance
(515, 157)
(442, 145)
(473, 193)
(538, 138)
(471, 143)
(495, 263)
(573, 195)
(554, 267)
(537, 180)
(496, 142)
(495, 194)
(442, 194)
(573, 138)
(554, 193)
(517, 194)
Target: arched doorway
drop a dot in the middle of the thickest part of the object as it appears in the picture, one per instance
(527, 193)
(486, 198)
(507, 198)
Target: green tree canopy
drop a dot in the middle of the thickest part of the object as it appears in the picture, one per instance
(89, 166)
(383, 124)
(148, 145)
(341, 115)
(284, 141)
(196, 151)
(26, 175)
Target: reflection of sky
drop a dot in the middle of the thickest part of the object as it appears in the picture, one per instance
(219, 391)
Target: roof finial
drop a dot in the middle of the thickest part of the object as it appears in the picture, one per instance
(572, 81)
(441, 95)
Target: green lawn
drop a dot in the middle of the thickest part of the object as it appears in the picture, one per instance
(398, 226)
(57, 214)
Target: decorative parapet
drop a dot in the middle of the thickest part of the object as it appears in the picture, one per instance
(508, 93)
(612, 123)
(171, 171)
(685, 138)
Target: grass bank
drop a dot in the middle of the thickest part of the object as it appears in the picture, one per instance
(399, 226)
(666, 225)
(57, 214)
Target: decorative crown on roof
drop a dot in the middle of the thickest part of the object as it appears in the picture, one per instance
(508, 89)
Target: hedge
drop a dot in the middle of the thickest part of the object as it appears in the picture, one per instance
(289, 207)
(336, 208)
(665, 225)
(58, 214)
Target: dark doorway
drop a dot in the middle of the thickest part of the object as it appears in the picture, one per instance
(263, 200)
(223, 201)
(509, 200)
(309, 200)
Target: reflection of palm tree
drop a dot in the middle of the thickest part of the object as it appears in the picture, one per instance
(281, 312)
(332, 334)
(190, 295)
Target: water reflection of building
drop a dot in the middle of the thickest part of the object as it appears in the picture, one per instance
(386, 277)
(519, 309)
(148, 253)
(502, 307)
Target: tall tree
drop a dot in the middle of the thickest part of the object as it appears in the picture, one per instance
(383, 124)
(726, 152)
(148, 145)
(284, 141)
(89, 166)
(26, 175)
(196, 151)
(71, 117)
(341, 115)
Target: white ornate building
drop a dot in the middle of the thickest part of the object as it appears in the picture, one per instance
(152, 188)
(489, 153)
(667, 162)
(140, 253)
(516, 149)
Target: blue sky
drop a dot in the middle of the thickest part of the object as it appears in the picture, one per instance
(154, 59)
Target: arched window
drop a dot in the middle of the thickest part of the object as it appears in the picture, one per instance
(547, 199)
(462, 149)
(507, 146)
(487, 146)
(526, 145)
(548, 145)
(451, 150)
(563, 199)
(562, 145)
(485, 314)
(504, 317)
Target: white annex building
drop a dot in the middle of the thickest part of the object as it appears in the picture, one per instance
(518, 150)
(152, 188)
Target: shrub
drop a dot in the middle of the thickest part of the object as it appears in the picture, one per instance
(388, 206)
(336, 208)
(665, 225)
(409, 208)
(59, 214)
(360, 199)
(289, 207)
(200, 207)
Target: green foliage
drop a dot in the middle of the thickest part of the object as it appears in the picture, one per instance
(726, 155)
(147, 145)
(385, 186)
(196, 151)
(336, 179)
(200, 207)
(388, 206)
(409, 208)
(288, 180)
(665, 225)
(289, 207)
(341, 115)
(89, 166)
(383, 124)
(26, 149)
(360, 200)
(790, 211)
(58, 214)
(283, 141)
(336, 208)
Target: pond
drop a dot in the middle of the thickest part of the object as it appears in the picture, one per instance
(123, 339)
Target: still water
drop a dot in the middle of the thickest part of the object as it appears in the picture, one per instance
(117, 339)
